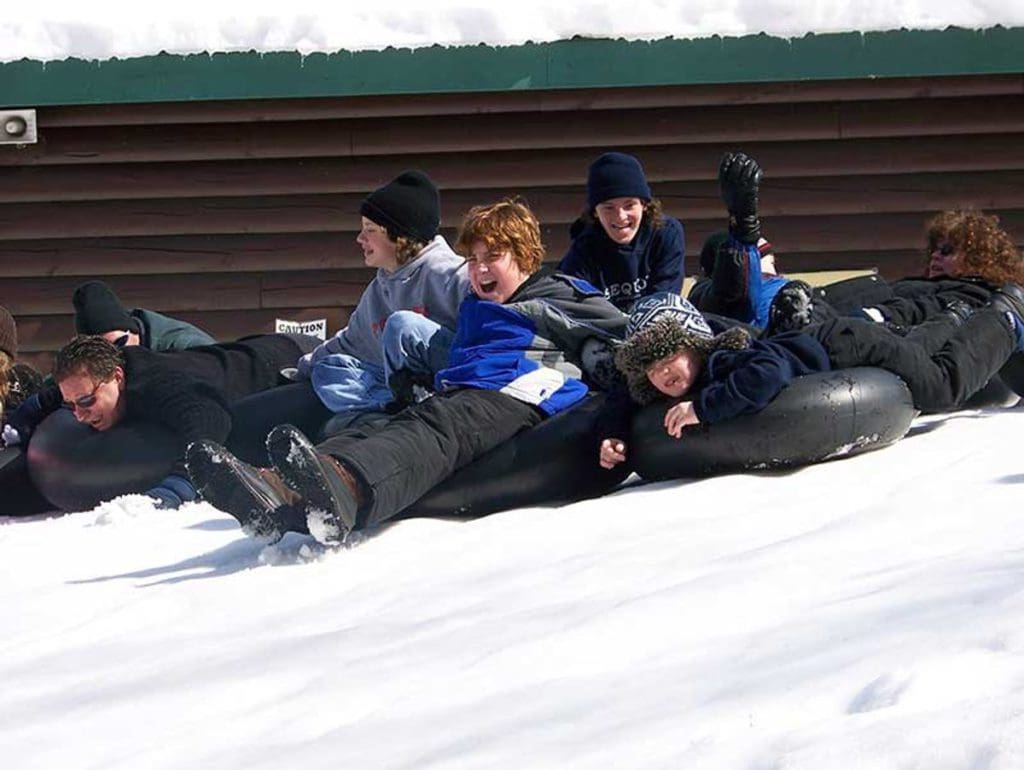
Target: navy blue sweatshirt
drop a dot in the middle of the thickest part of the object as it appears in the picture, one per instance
(651, 262)
(735, 382)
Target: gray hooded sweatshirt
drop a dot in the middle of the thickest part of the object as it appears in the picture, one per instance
(434, 283)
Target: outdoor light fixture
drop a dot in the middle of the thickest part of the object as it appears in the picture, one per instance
(18, 127)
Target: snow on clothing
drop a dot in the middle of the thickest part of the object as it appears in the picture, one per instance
(162, 333)
(511, 366)
(347, 370)
(651, 262)
(190, 391)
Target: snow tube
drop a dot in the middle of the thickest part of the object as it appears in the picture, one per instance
(818, 417)
(76, 468)
(19, 497)
(551, 464)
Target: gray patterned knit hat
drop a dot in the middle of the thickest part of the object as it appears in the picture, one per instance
(659, 326)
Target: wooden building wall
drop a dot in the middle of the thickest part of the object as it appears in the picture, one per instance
(232, 214)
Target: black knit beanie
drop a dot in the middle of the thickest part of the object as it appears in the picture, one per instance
(616, 175)
(98, 310)
(8, 333)
(661, 325)
(408, 205)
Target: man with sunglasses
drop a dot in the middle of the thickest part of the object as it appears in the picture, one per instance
(189, 392)
(98, 311)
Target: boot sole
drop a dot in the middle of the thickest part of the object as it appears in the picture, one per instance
(328, 518)
(218, 475)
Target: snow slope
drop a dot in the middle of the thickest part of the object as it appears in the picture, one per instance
(865, 613)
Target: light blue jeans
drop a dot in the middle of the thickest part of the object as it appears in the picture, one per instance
(350, 387)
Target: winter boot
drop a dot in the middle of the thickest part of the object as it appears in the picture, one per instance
(330, 494)
(256, 497)
(791, 308)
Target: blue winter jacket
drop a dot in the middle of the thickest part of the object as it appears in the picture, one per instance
(736, 382)
(651, 262)
(538, 346)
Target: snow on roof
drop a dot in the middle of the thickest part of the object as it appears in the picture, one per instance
(106, 29)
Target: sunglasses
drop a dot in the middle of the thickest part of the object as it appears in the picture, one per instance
(121, 341)
(946, 249)
(83, 402)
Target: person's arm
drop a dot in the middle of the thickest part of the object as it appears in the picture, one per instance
(667, 261)
(22, 422)
(678, 416)
(339, 343)
(612, 452)
(615, 418)
(749, 387)
(190, 409)
(576, 264)
(186, 336)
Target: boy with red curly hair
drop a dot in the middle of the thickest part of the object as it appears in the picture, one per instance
(516, 359)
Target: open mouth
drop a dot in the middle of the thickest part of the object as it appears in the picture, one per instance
(488, 286)
(622, 231)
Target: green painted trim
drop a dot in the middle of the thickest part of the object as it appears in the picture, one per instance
(578, 63)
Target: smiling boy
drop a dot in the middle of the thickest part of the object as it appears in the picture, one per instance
(671, 351)
(623, 244)
(515, 360)
(416, 271)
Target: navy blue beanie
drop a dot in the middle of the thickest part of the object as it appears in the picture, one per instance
(616, 175)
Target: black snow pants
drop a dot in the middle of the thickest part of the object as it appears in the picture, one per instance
(403, 458)
(942, 363)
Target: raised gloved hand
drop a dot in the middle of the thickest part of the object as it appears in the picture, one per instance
(739, 179)
(172, 492)
(23, 420)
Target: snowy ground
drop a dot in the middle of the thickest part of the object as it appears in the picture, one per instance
(867, 613)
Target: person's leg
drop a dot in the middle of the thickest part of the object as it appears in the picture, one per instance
(415, 349)
(735, 286)
(424, 444)
(940, 381)
(344, 383)
(252, 418)
(850, 295)
(935, 332)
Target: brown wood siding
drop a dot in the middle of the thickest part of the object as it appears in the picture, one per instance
(231, 214)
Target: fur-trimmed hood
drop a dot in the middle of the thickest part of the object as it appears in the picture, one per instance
(664, 337)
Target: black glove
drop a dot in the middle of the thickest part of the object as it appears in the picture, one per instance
(739, 178)
(410, 387)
